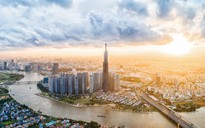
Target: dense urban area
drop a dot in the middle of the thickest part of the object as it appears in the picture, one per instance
(178, 85)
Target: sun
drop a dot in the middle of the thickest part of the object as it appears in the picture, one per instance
(179, 46)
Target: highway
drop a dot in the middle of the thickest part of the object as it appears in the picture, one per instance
(181, 121)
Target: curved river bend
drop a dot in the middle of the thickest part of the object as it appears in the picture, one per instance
(25, 94)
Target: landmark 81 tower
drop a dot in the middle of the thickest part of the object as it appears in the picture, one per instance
(105, 82)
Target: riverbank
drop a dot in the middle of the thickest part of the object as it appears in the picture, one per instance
(44, 95)
(77, 104)
(9, 78)
(92, 101)
(14, 114)
(190, 105)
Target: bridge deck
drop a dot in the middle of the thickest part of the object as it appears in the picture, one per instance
(25, 82)
(169, 112)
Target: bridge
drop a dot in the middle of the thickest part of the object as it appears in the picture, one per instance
(181, 121)
(18, 83)
(25, 82)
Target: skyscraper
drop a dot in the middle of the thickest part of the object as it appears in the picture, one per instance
(95, 82)
(91, 83)
(105, 82)
(55, 68)
(76, 85)
(5, 65)
(114, 81)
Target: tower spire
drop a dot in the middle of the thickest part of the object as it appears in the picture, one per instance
(105, 46)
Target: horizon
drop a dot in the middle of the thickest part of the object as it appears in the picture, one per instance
(114, 52)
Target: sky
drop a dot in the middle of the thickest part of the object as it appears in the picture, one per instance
(163, 25)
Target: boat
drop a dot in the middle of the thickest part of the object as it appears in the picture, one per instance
(77, 105)
(101, 116)
(39, 111)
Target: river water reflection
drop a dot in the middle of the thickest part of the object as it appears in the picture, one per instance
(25, 94)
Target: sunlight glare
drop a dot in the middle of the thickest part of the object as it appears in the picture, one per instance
(179, 46)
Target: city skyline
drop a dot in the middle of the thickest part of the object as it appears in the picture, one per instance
(102, 63)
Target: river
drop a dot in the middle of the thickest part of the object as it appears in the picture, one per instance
(25, 94)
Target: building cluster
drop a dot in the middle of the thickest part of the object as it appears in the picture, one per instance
(21, 116)
(9, 65)
(68, 84)
(12, 65)
(178, 93)
(85, 82)
(14, 115)
(125, 98)
(81, 83)
(177, 87)
(96, 82)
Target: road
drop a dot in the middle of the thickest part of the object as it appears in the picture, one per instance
(181, 121)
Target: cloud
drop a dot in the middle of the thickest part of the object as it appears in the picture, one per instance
(63, 3)
(134, 6)
(34, 3)
(119, 29)
(39, 23)
(183, 8)
(37, 29)
(164, 7)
